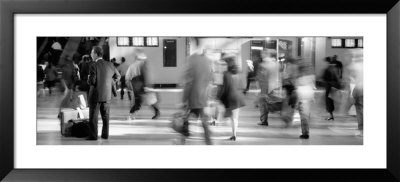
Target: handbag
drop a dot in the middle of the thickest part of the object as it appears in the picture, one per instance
(180, 122)
(149, 98)
(80, 128)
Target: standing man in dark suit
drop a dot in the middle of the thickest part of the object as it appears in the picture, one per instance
(101, 75)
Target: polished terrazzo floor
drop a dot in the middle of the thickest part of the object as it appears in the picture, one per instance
(145, 131)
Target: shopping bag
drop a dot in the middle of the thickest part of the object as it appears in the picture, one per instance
(149, 98)
(179, 122)
(275, 96)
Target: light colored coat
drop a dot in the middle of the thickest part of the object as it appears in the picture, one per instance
(268, 76)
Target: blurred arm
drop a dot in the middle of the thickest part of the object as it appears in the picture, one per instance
(92, 74)
(223, 87)
(128, 78)
(188, 82)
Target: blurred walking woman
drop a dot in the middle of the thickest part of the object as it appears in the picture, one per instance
(230, 95)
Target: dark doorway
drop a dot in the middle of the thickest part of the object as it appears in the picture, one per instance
(169, 52)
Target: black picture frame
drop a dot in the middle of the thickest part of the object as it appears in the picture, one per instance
(8, 8)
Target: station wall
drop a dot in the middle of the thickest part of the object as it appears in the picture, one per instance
(159, 73)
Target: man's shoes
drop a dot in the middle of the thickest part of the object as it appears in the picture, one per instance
(233, 138)
(304, 136)
(91, 138)
(263, 123)
(105, 138)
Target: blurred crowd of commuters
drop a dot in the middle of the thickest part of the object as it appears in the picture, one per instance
(285, 86)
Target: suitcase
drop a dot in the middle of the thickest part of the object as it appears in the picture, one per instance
(70, 114)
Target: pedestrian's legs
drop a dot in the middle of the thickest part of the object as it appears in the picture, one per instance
(304, 110)
(138, 101)
(263, 106)
(156, 111)
(93, 119)
(185, 129)
(122, 92)
(105, 116)
(220, 112)
(247, 84)
(122, 87)
(235, 121)
(359, 111)
(287, 112)
(129, 95)
(50, 85)
(207, 133)
(65, 103)
(330, 107)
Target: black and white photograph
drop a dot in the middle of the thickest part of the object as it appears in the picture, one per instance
(126, 91)
(199, 90)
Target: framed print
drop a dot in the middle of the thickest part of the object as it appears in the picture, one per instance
(315, 47)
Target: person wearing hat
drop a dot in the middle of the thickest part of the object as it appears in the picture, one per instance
(135, 77)
(230, 95)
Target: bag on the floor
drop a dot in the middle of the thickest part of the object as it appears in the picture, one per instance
(71, 114)
(80, 128)
(179, 122)
(66, 129)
